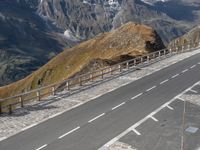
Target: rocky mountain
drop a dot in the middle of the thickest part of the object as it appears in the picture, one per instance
(190, 38)
(34, 31)
(109, 48)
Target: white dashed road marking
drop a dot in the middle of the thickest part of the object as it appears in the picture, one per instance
(193, 66)
(175, 76)
(151, 88)
(95, 118)
(132, 128)
(137, 96)
(164, 81)
(41, 147)
(68, 132)
(118, 106)
(184, 70)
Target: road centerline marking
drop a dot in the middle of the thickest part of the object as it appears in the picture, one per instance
(164, 81)
(73, 130)
(118, 106)
(184, 70)
(193, 66)
(175, 76)
(95, 118)
(137, 96)
(151, 88)
(43, 146)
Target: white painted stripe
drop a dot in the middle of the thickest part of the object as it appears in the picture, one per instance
(95, 118)
(170, 107)
(199, 63)
(41, 147)
(193, 66)
(151, 88)
(153, 118)
(69, 132)
(143, 120)
(184, 70)
(178, 97)
(118, 106)
(137, 96)
(193, 91)
(134, 130)
(164, 81)
(175, 76)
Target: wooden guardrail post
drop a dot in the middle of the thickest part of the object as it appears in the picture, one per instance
(120, 68)
(53, 90)
(111, 71)
(10, 108)
(135, 62)
(1, 111)
(91, 76)
(38, 95)
(127, 65)
(80, 81)
(67, 85)
(21, 101)
(102, 74)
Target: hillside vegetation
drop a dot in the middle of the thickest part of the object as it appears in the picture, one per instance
(128, 41)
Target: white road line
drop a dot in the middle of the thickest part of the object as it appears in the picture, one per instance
(153, 118)
(193, 91)
(164, 81)
(199, 63)
(178, 97)
(118, 106)
(193, 66)
(134, 130)
(95, 118)
(184, 70)
(137, 96)
(41, 147)
(170, 107)
(151, 88)
(175, 76)
(69, 132)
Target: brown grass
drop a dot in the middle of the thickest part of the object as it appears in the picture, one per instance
(129, 39)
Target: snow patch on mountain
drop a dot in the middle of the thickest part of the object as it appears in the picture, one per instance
(151, 2)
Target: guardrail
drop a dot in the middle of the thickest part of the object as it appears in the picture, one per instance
(11, 103)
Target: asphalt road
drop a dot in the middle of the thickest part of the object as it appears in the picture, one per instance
(91, 125)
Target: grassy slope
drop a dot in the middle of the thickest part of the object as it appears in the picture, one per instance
(129, 39)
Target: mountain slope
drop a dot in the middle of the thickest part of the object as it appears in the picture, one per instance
(129, 40)
(191, 37)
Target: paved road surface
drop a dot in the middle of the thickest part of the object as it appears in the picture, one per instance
(91, 125)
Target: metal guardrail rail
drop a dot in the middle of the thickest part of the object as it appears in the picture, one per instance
(13, 102)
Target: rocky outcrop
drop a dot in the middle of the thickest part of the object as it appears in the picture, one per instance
(105, 49)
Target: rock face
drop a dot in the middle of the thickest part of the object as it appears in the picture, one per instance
(192, 38)
(123, 43)
(34, 31)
